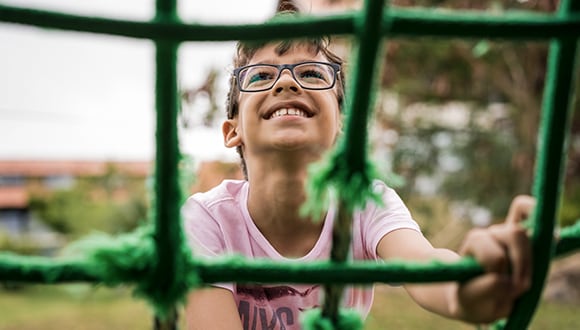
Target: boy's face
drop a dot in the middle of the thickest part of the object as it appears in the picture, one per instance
(309, 120)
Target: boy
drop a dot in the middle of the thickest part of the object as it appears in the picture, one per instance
(284, 114)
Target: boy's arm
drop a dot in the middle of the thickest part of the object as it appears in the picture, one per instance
(212, 309)
(504, 251)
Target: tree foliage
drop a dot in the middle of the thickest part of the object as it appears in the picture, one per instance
(494, 151)
(112, 203)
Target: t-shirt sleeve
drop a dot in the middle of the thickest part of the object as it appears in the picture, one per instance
(379, 220)
(203, 233)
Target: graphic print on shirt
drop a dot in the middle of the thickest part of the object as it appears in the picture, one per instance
(275, 307)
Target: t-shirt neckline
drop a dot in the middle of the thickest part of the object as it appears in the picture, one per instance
(315, 253)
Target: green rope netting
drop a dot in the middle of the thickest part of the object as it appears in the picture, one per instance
(155, 258)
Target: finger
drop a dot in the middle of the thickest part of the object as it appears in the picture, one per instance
(520, 209)
(519, 253)
(519, 245)
(491, 294)
(487, 249)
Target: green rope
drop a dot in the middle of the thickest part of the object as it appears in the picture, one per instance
(399, 22)
(349, 172)
(569, 240)
(166, 285)
(554, 129)
(114, 260)
(135, 249)
(347, 320)
(133, 264)
(341, 237)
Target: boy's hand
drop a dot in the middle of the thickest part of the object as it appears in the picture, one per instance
(504, 251)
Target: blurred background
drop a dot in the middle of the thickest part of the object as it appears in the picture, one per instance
(455, 131)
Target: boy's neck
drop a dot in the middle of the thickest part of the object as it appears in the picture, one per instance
(275, 197)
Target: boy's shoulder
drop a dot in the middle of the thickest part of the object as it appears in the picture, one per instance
(227, 190)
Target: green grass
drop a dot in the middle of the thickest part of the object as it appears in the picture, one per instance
(394, 309)
(72, 307)
(97, 308)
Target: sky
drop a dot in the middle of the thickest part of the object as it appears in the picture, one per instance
(68, 95)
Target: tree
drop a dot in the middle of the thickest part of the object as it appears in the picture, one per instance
(501, 82)
(114, 202)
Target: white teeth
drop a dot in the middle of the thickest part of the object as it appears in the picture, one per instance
(289, 112)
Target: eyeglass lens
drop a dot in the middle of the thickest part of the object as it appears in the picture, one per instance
(308, 75)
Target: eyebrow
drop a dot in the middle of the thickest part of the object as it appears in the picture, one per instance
(270, 62)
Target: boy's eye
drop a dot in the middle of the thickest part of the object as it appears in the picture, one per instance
(313, 74)
(259, 76)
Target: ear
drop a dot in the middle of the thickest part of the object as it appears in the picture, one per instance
(230, 132)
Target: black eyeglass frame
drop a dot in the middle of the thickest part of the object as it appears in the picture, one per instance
(281, 67)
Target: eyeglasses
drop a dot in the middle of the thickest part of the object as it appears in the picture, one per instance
(309, 75)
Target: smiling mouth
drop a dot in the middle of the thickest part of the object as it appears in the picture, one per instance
(289, 112)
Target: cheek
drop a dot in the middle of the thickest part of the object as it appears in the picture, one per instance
(334, 125)
(244, 107)
(249, 103)
(337, 116)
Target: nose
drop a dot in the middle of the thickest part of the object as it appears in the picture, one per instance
(286, 82)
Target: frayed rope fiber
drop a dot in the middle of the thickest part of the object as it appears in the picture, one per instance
(347, 320)
(130, 258)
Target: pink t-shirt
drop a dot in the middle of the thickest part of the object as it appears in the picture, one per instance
(218, 223)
